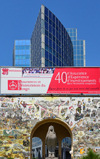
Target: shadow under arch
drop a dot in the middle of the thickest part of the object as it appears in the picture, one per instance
(62, 130)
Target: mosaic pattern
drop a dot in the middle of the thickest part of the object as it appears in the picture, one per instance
(19, 115)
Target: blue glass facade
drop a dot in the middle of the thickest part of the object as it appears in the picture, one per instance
(50, 45)
(22, 53)
(50, 42)
(78, 48)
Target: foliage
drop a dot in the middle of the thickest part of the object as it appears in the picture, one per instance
(91, 155)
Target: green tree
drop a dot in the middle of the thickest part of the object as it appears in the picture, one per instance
(91, 155)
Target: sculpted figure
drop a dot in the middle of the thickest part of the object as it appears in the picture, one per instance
(51, 141)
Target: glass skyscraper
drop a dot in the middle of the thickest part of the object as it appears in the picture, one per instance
(78, 48)
(50, 45)
(22, 53)
(50, 42)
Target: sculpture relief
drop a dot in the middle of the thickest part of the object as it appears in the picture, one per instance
(51, 141)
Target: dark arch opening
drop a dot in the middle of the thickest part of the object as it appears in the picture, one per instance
(66, 148)
(36, 148)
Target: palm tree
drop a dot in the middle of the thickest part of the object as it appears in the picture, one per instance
(91, 155)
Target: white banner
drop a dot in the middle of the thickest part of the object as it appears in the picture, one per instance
(25, 80)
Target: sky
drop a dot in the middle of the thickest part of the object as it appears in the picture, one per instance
(18, 17)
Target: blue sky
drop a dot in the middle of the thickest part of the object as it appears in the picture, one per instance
(17, 19)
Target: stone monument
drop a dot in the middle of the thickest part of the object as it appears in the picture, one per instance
(51, 141)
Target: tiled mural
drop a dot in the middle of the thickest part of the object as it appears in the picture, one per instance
(19, 115)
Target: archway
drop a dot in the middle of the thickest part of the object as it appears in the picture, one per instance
(40, 130)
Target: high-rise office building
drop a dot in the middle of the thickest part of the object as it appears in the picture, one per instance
(50, 45)
(78, 48)
(50, 42)
(22, 53)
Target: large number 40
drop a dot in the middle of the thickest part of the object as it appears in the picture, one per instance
(61, 77)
